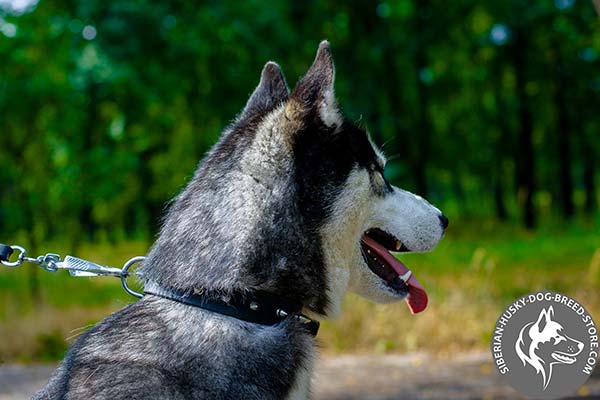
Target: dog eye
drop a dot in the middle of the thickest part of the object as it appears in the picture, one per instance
(557, 339)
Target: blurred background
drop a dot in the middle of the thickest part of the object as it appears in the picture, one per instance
(488, 109)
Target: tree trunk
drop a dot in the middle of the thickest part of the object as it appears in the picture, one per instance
(499, 143)
(399, 134)
(524, 157)
(423, 126)
(564, 133)
(501, 212)
(90, 127)
(589, 183)
(586, 148)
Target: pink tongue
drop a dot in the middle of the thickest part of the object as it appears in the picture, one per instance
(417, 296)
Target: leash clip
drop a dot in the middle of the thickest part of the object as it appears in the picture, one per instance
(80, 267)
(77, 267)
(50, 262)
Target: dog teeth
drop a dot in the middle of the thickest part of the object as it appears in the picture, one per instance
(398, 246)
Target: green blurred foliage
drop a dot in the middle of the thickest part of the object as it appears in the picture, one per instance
(50, 347)
(487, 108)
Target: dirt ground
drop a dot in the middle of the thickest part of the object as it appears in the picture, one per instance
(414, 376)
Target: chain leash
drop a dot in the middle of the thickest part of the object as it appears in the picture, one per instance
(77, 267)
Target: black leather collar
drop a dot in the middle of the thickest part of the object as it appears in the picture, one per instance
(253, 306)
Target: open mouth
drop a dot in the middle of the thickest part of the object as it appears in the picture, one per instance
(376, 246)
(563, 358)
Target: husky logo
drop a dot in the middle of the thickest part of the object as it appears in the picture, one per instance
(545, 334)
(543, 343)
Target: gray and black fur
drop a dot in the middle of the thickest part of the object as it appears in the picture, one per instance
(251, 218)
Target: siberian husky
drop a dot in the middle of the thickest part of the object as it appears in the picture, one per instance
(288, 211)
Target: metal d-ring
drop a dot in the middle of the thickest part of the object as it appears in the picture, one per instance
(125, 275)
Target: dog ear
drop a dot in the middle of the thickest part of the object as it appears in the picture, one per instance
(314, 92)
(543, 319)
(271, 91)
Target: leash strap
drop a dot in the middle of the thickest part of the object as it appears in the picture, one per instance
(5, 252)
(252, 306)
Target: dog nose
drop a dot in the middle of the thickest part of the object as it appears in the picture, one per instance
(444, 221)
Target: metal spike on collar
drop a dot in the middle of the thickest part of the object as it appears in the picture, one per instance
(406, 276)
(304, 319)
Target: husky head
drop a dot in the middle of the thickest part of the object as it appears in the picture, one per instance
(293, 200)
(543, 344)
